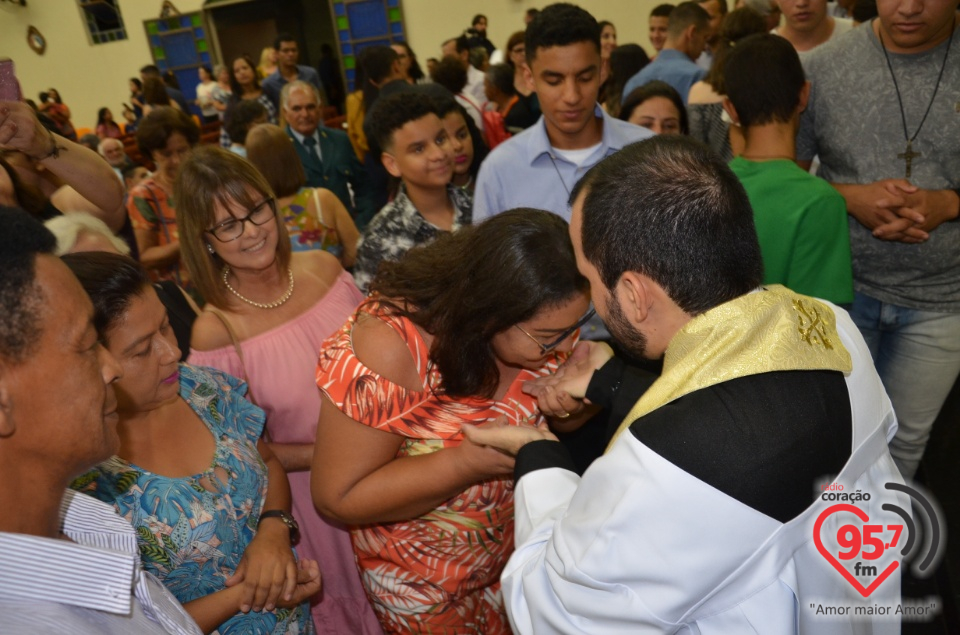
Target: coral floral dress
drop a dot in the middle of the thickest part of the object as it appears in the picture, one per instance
(440, 572)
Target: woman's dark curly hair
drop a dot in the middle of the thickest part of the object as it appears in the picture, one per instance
(466, 287)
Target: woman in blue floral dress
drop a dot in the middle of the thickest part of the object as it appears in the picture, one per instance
(192, 474)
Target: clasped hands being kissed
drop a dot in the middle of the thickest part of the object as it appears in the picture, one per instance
(560, 396)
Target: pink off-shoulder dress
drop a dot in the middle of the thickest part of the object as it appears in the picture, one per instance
(280, 365)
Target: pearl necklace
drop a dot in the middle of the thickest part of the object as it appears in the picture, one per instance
(260, 305)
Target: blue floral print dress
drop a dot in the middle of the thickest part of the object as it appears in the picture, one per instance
(192, 531)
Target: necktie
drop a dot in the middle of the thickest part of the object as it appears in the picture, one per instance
(310, 143)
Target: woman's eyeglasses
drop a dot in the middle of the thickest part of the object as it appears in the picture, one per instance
(232, 228)
(546, 348)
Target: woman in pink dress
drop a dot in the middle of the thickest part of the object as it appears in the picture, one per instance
(274, 308)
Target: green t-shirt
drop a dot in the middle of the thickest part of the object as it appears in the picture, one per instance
(802, 226)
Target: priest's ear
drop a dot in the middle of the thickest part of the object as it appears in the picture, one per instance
(633, 293)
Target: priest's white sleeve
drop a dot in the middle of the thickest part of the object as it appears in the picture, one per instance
(622, 550)
(545, 484)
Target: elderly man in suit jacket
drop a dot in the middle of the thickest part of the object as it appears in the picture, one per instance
(326, 154)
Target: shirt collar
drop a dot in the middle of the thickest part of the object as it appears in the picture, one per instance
(97, 570)
(412, 218)
(539, 143)
(299, 137)
(674, 54)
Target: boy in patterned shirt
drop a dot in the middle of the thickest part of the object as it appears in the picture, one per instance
(417, 150)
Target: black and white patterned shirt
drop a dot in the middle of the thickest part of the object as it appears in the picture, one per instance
(398, 228)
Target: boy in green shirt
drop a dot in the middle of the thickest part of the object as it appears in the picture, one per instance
(801, 220)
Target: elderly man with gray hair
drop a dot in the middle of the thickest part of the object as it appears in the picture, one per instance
(326, 154)
(112, 150)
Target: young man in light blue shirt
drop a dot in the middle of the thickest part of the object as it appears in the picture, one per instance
(687, 34)
(539, 167)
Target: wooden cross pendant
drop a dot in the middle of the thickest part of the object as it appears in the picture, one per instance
(909, 156)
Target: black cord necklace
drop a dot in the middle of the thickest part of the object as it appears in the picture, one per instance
(909, 155)
(560, 176)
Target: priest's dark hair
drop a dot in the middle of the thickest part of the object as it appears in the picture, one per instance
(670, 209)
(23, 239)
(560, 24)
(470, 285)
(764, 79)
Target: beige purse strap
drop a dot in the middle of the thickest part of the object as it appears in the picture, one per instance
(316, 205)
(319, 210)
(236, 346)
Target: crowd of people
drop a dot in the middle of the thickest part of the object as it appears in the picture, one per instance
(349, 378)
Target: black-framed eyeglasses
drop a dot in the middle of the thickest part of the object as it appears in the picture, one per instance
(232, 228)
(546, 348)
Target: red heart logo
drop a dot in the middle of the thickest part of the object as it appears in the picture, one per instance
(862, 515)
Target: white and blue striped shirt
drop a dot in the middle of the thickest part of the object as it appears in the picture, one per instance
(91, 585)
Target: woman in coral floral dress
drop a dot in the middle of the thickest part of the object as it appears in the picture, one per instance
(446, 340)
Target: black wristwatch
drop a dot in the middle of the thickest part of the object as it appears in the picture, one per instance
(287, 519)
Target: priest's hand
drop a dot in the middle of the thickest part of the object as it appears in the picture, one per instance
(479, 461)
(562, 394)
(499, 435)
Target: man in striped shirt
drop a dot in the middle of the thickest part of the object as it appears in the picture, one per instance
(68, 563)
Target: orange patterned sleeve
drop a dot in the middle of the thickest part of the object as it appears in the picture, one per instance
(358, 391)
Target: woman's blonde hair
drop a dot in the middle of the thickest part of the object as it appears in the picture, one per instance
(265, 55)
(68, 227)
(271, 151)
(212, 175)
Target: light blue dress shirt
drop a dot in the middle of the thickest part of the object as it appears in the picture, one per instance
(671, 66)
(526, 171)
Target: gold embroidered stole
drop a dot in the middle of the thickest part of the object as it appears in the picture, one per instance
(771, 330)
